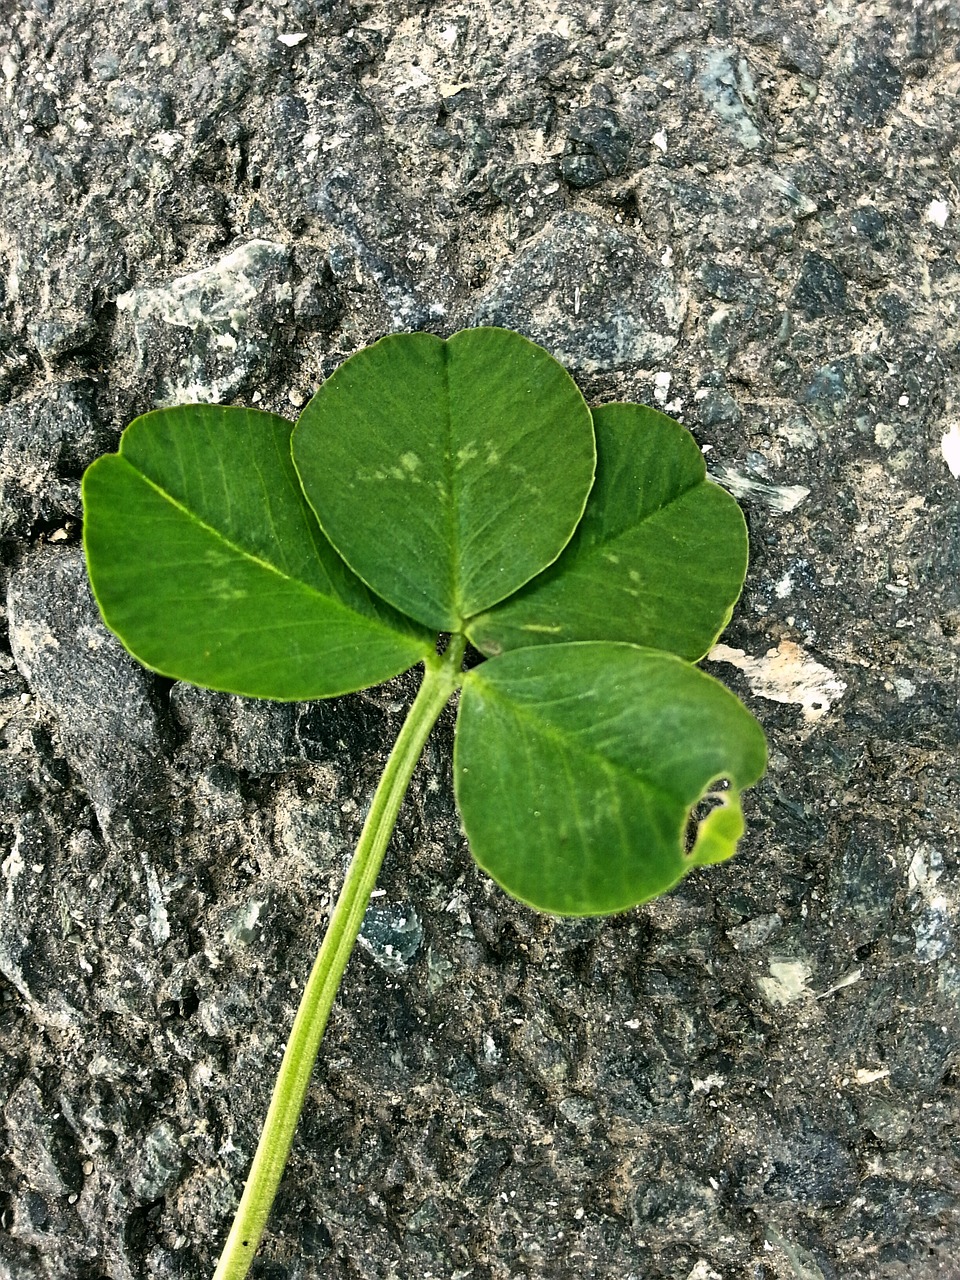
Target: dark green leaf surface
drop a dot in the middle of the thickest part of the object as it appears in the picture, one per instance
(658, 559)
(447, 473)
(577, 767)
(209, 565)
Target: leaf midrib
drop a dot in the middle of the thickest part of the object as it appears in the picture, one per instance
(653, 515)
(454, 506)
(561, 737)
(251, 556)
(581, 554)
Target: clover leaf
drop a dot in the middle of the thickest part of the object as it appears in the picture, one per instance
(434, 492)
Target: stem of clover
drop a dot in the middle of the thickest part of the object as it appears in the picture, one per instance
(442, 677)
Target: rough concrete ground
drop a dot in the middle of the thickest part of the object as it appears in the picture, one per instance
(748, 213)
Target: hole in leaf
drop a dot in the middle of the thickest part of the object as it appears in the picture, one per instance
(711, 800)
(720, 825)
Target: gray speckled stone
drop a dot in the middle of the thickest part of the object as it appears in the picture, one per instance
(742, 216)
(46, 440)
(589, 293)
(205, 336)
(68, 658)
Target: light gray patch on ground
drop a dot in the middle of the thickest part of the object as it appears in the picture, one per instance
(202, 337)
(590, 293)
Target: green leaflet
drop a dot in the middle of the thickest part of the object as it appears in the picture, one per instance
(658, 559)
(447, 473)
(209, 565)
(577, 767)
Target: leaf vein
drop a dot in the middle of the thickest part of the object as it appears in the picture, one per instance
(255, 559)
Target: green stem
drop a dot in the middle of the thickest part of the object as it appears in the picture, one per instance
(441, 678)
